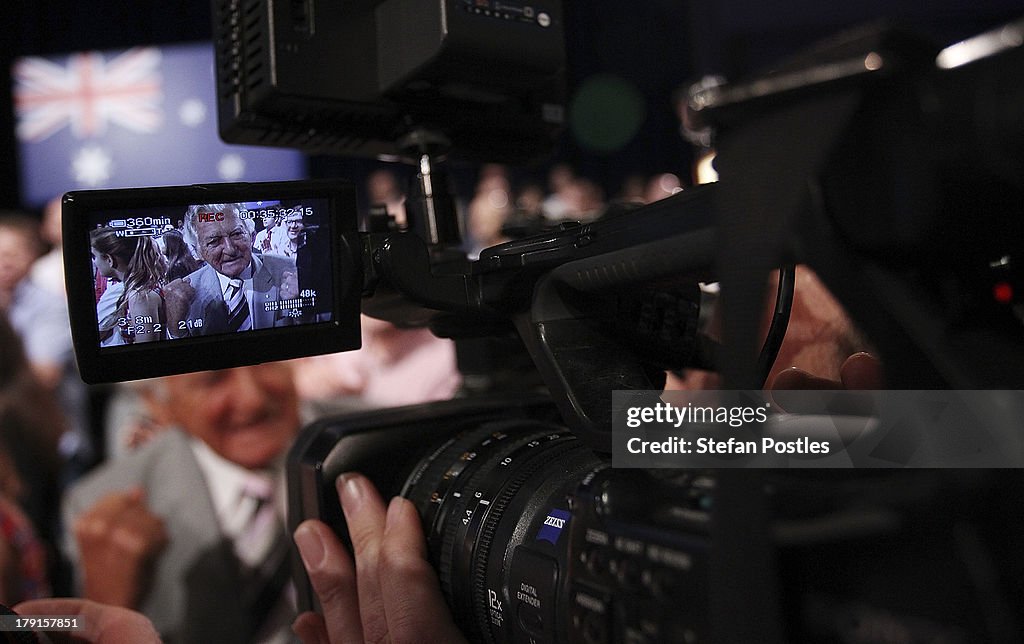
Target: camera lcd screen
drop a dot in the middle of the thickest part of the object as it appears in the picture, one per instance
(166, 280)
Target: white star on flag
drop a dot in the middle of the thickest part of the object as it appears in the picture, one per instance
(92, 166)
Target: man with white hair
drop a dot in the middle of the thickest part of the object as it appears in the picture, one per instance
(235, 290)
(189, 528)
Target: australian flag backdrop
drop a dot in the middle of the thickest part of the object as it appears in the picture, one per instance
(142, 117)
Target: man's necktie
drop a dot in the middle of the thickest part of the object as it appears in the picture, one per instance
(261, 525)
(255, 591)
(238, 307)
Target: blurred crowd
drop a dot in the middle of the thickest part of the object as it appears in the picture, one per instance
(501, 209)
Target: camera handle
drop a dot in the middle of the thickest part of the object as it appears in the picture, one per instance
(425, 266)
(430, 206)
(571, 295)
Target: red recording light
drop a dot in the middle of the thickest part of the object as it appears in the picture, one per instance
(1003, 292)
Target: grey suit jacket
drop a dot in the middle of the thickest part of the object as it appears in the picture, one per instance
(208, 304)
(197, 594)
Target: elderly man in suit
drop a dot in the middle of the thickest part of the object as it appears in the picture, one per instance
(189, 528)
(235, 290)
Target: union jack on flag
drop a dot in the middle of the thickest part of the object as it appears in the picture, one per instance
(88, 92)
(129, 118)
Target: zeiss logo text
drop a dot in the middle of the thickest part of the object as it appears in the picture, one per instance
(555, 521)
(551, 529)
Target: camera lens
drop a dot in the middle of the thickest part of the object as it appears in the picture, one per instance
(481, 495)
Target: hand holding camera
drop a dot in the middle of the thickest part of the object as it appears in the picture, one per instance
(389, 592)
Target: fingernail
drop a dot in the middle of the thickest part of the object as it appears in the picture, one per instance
(395, 509)
(311, 548)
(350, 491)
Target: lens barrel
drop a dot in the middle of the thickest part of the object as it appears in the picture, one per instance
(483, 496)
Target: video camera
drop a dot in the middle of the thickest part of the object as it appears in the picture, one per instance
(889, 165)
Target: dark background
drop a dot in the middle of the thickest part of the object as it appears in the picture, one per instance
(656, 45)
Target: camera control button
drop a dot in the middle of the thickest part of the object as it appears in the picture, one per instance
(630, 574)
(666, 584)
(591, 613)
(595, 629)
(596, 560)
(530, 620)
(532, 589)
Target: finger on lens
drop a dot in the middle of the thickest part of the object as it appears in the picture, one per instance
(365, 515)
(333, 577)
(413, 604)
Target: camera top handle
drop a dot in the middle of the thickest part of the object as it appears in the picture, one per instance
(600, 306)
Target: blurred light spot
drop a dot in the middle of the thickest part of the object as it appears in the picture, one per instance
(980, 46)
(1003, 292)
(231, 167)
(705, 171)
(192, 112)
(606, 113)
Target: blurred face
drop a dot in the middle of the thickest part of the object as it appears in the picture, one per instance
(382, 186)
(485, 223)
(247, 415)
(104, 263)
(225, 244)
(294, 226)
(16, 257)
(51, 222)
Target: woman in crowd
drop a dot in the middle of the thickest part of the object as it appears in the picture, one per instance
(138, 264)
(180, 261)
